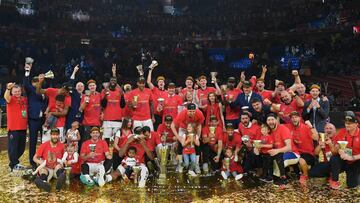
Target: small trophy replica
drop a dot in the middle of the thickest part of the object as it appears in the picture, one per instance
(342, 144)
(92, 147)
(227, 163)
(257, 143)
(163, 151)
(321, 153)
(212, 129)
(29, 61)
(322, 137)
(87, 94)
(153, 64)
(140, 70)
(245, 138)
(136, 170)
(68, 174)
(213, 76)
(49, 75)
(192, 136)
(135, 99)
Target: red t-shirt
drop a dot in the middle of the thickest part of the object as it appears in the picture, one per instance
(100, 149)
(233, 166)
(75, 167)
(266, 94)
(140, 152)
(214, 140)
(232, 113)
(142, 110)
(287, 109)
(182, 119)
(234, 143)
(151, 141)
(16, 120)
(112, 111)
(213, 109)
(157, 93)
(203, 95)
(254, 131)
(161, 129)
(280, 134)
(126, 111)
(184, 91)
(305, 97)
(45, 150)
(302, 137)
(92, 110)
(353, 141)
(59, 107)
(171, 105)
(268, 139)
(51, 93)
(121, 139)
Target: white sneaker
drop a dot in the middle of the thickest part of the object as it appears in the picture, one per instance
(197, 169)
(223, 174)
(192, 173)
(142, 183)
(205, 168)
(179, 168)
(108, 178)
(239, 176)
(101, 180)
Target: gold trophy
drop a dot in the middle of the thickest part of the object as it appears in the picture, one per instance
(153, 64)
(135, 99)
(163, 152)
(140, 70)
(136, 170)
(257, 143)
(68, 174)
(49, 75)
(192, 135)
(342, 144)
(212, 129)
(213, 76)
(322, 137)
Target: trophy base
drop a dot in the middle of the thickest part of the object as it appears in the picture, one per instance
(162, 176)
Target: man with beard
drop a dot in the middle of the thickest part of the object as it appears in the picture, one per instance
(141, 104)
(17, 118)
(91, 108)
(252, 131)
(317, 109)
(171, 103)
(135, 140)
(260, 111)
(158, 92)
(347, 159)
(37, 104)
(290, 102)
(189, 115)
(243, 99)
(231, 114)
(231, 139)
(112, 103)
(97, 160)
(304, 136)
(49, 152)
(324, 150)
(284, 152)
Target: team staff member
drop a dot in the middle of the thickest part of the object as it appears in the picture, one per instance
(17, 118)
(141, 104)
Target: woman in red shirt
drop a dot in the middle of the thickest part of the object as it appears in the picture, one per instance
(214, 107)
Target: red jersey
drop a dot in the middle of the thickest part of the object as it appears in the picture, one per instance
(302, 137)
(75, 167)
(45, 151)
(163, 129)
(267, 139)
(203, 95)
(287, 109)
(280, 134)
(151, 141)
(253, 131)
(213, 109)
(101, 147)
(215, 139)
(157, 93)
(92, 110)
(112, 111)
(353, 140)
(232, 113)
(142, 110)
(171, 104)
(126, 111)
(233, 166)
(266, 94)
(59, 107)
(182, 119)
(51, 93)
(121, 139)
(17, 116)
(234, 143)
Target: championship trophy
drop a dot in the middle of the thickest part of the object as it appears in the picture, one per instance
(153, 64)
(140, 70)
(68, 174)
(29, 60)
(49, 75)
(213, 76)
(212, 129)
(136, 170)
(192, 135)
(161, 100)
(135, 99)
(257, 143)
(87, 94)
(227, 163)
(245, 138)
(342, 144)
(163, 151)
(322, 137)
(92, 147)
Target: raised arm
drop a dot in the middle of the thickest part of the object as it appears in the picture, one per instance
(148, 81)
(7, 95)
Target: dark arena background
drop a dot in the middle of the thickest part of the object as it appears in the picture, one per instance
(179, 100)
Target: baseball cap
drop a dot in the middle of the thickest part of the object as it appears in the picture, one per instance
(171, 85)
(54, 131)
(168, 119)
(191, 106)
(350, 117)
(141, 79)
(229, 126)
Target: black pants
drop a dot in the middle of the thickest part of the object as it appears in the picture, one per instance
(208, 156)
(158, 121)
(279, 158)
(116, 160)
(267, 165)
(320, 170)
(352, 170)
(16, 146)
(86, 170)
(35, 126)
(251, 161)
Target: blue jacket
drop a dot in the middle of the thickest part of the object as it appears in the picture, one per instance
(37, 103)
(240, 101)
(75, 105)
